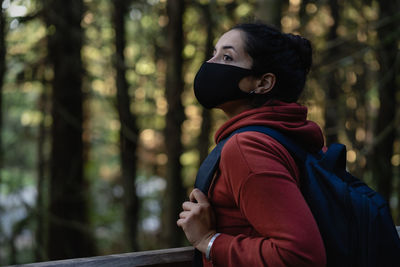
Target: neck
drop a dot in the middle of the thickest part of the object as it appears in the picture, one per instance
(235, 107)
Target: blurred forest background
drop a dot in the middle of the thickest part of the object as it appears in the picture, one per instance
(101, 135)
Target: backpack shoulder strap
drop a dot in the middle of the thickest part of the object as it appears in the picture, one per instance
(208, 167)
(210, 164)
(294, 149)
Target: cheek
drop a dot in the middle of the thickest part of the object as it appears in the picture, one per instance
(247, 84)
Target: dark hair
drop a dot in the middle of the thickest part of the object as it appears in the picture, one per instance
(287, 56)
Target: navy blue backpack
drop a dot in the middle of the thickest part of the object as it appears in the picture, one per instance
(354, 221)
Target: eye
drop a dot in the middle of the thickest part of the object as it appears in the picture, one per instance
(227, 58)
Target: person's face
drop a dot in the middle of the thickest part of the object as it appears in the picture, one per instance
(230, 50)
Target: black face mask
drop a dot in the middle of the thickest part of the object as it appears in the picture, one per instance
(216, 84)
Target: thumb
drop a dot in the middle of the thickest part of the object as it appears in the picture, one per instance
(197, 196)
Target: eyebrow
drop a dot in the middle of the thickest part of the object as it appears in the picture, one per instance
(227, 47)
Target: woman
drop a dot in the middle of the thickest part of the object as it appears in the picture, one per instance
(255, 214)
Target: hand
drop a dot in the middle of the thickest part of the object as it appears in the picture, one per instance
(197, 220)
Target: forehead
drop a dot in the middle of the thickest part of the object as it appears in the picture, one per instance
(232, 38)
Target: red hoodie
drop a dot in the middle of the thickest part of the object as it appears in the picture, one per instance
(260, 212)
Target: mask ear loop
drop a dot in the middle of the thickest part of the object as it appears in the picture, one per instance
(253, 92)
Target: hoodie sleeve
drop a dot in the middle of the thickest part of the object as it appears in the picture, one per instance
(262, 177)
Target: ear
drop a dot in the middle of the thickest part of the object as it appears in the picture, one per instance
(265, 83)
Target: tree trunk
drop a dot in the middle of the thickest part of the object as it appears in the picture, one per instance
(332, 82)
(2, 73)
(175, 193)
(303, 16)
(382, 168)
(69, 231)
(357, 118)
(206, 123)
(129, 130)
(40, 242)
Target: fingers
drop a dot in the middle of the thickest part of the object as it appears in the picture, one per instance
(184, 214)
(182, 218)
(180, 222)
(188, 205)
(194, 207)
(197, 196)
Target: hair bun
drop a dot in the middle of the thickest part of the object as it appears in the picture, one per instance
(303, 49)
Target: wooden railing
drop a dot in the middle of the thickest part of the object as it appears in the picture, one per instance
(173, 257)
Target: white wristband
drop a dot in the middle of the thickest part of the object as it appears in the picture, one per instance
(208, 251)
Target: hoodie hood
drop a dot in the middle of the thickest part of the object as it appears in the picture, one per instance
(288, 118)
